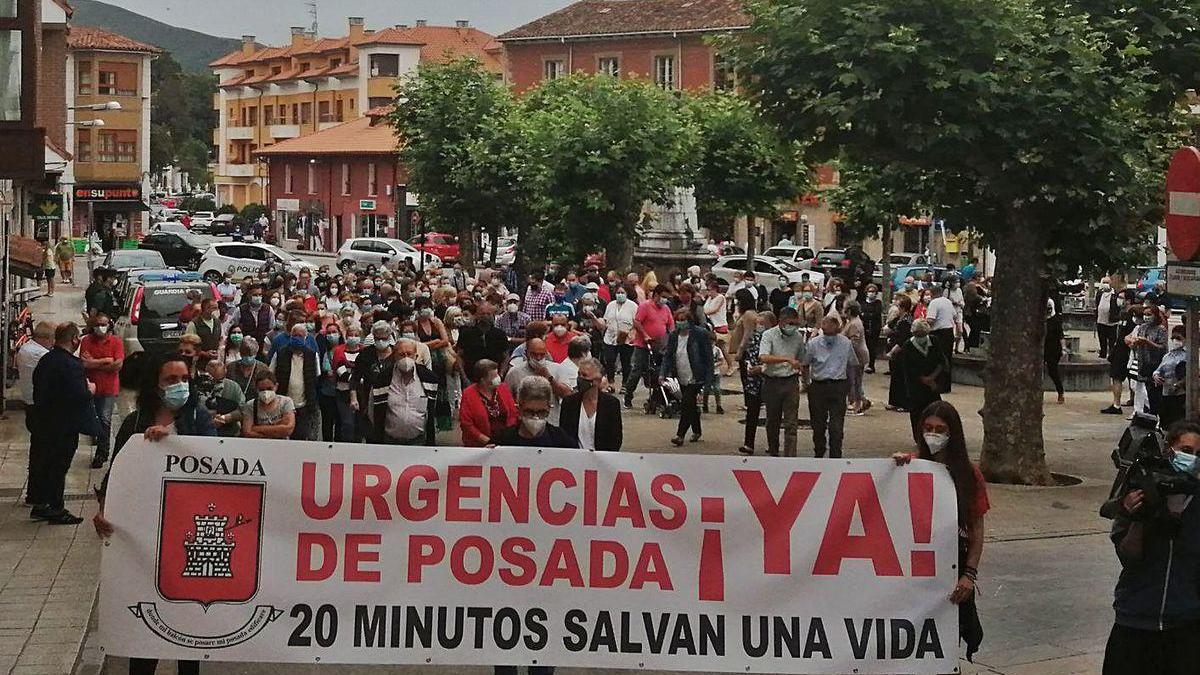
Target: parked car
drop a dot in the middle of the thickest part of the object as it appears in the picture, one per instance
(149, 324)
(178, 249)
(128, 280)
(899, 274)
(201, 220)
(242, 258)
(170, 226)
(380, 252)
(225, 224)
(769, 271)
(800, 256)
(898, 260)
(444, 246)
(506, 251)
(125, 259)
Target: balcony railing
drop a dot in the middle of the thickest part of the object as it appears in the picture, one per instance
(239, 133)
(284, 130)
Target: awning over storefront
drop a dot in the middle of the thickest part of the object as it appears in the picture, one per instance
(119, 206)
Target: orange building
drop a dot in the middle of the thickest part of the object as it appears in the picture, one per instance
(271, 94)
(664, 40)
(111, 162)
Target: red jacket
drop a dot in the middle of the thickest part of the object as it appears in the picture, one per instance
(474, 420)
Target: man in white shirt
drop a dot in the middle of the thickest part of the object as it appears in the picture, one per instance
(27, 359)
(1108, 316)
(942, 317)
(408, 402)
(618, 327)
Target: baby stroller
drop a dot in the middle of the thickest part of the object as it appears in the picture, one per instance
(664, 393)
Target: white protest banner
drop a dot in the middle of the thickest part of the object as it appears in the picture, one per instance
(251, 550)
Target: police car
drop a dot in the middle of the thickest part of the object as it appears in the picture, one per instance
(149, 324)
(243, 258)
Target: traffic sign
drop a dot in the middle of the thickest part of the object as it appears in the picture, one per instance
(1183, 279)
(1183, 203)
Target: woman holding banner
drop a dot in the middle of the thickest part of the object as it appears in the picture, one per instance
(941, 440)
(166, 404)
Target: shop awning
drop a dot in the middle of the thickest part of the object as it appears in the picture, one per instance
(117, 205)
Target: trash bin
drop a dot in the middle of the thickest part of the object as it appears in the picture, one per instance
(80, 245)
(129, 244)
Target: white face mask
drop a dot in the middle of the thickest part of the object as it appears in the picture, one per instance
(406, 364)
(495, 381)
(534, 425)
(511, 307)
(101, 330)
(1176, 344)
(936, 442)
(266, 395)
(560, 330)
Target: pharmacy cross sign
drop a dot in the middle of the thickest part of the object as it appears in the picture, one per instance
(1183, 203)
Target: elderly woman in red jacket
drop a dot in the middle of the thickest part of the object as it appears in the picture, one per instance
(487, 407)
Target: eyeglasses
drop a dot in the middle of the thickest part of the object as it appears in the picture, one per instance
(536, 415)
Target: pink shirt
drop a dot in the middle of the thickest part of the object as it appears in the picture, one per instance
(656, 320)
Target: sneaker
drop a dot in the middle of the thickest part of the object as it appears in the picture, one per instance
(1111, 410)
(677, 441)
(695, 438)
(869, 370)
(628, 404)
(64, 517)
(720, 410)
(746, 450)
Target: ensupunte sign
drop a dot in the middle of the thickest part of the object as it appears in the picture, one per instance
(233, 550)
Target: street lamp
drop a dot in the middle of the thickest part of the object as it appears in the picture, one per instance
(88, 123)
(111, 105)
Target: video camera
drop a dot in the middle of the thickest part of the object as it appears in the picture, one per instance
(1141, 465)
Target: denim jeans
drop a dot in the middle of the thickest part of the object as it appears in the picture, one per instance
(104, 412)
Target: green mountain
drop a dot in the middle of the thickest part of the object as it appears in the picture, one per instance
(192, 49)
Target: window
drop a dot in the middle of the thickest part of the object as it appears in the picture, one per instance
(376, 101)
(83, 71)
(664, 71)
(609, 65)
(724, 75)
(269, 115)
(334, 63)
(252, 116)
(275, 70)
(304, 66)
(385, 65)
(371, 185)
(323, 112)
(108, 83)
(295, 114)
(83, 146)
(553, 69)
(8, 9)
(345, 179)
(108, 147)
(312, 178)
(126, 151)
(287, 179)
(305, 113)
(10, 75)
(338, 111)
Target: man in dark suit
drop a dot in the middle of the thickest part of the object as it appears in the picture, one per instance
(590, 416)
(62, 401)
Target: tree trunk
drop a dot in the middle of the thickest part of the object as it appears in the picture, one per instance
(1013, 449)
(885, 265)
(620, 255)
(750, 241)
(466, 248)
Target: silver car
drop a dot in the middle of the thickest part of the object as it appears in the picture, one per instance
(380, 252)
(800, 256)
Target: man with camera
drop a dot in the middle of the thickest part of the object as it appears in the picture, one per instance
(1156, 532)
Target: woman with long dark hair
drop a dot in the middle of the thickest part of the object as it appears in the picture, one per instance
(166, 404)
(899, 331)
(942, 440)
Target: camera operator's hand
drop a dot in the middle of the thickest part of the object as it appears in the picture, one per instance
(1133, 501)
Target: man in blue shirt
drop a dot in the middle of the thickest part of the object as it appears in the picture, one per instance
(828, 359)
(562, 305)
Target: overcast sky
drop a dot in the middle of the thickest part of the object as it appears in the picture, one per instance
(269, 20)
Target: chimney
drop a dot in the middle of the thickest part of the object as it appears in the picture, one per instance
(422, 23)
(248, 46)
(356, 28)
(402, 26)
(462, 23)
(299, 39)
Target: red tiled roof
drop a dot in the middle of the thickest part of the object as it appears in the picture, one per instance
(363, 136)
(623, 17)
(442, 43)
(323, 45)
(388, 36)
(350, 68)
(87, 37)
(240, 79)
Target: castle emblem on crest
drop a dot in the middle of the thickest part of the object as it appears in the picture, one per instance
(210, 547)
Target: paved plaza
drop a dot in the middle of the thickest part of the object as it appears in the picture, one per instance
(1045, 579)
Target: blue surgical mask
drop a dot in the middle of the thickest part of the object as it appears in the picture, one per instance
(353, 341)
(789, 330)
(175, 395)
(333, 338)
(683, 325)
(247, 360)
(1185, 463)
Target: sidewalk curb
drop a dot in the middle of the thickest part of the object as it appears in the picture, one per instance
(90, 660)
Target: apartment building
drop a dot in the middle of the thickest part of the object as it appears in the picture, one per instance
(269, 94)
(111, 162)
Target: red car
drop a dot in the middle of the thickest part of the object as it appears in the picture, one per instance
(444, 246)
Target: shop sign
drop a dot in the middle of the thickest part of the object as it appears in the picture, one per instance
(287, 204)
(366, 205)
(108, 194)
(46, 208)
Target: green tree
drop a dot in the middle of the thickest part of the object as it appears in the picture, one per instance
(443, 116)
(181, 118)
(1037, 121)
(252, 212)
(599, 148)
(743, 166)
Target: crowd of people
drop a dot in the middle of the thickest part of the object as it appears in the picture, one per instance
(396, 357)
